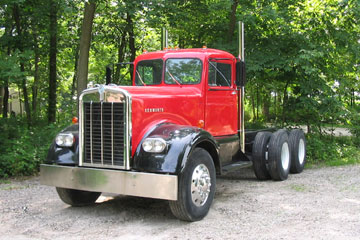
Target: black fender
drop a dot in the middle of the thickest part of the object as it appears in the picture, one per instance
(65, 155)
(181, 140)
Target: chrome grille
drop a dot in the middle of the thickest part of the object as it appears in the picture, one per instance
(104, 134)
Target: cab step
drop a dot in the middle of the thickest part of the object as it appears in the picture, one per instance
(236, 166)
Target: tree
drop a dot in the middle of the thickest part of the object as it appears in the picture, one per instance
(20, 45)
(52, 62)
(85, 41)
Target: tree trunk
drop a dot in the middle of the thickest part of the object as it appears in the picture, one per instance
(5, 102)
(1, 98)
(76, 59)
(52, 62)
(232, 18)
(120, 57)
(130, 30)
(16, 16)
(253, 104)
(266, 106)
(36, 78)
(20, 104)
(352, 98)
(85, 40)
(275, 106)
(285, 98)
(257, 103)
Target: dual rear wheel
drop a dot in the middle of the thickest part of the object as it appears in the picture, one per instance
(277, 154)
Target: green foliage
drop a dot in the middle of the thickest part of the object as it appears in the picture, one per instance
(302, 61)
(331, 151)
(354, 122)
(23, 149)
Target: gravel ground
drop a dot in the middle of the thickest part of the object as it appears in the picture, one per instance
(316, 204)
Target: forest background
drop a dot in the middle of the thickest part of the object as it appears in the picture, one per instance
(303, 63)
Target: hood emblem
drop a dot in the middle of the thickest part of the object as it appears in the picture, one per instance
(154, 110)
(101, 91)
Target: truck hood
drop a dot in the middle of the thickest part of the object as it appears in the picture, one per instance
(152, 105)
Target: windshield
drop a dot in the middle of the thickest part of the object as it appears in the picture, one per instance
(183, 71)
(149, 72)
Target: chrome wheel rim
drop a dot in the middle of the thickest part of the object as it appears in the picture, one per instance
(285, 156)
(301, 151)
(200, 185)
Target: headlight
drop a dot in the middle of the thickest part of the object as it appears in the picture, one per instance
(64, 139)
(154, 145)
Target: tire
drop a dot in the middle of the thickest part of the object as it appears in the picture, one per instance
(260, 155)
(191, 206)
(297, 145)
(77, 198)
(279, 156)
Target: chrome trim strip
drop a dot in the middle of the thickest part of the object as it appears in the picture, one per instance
(112, 133)
(151, 185)
(127, 120)
(91, 131)
(101, 133)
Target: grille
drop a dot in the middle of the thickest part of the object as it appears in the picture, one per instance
(104, 129)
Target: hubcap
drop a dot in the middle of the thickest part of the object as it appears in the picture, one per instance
(200, 185)
(285, 156)
(301, 153)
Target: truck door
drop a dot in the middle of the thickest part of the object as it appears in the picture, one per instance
(221, 98)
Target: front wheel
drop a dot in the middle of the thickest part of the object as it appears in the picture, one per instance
(196, 187)
(77, 198)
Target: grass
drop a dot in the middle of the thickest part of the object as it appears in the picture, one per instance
(5, 181)
(298, 188)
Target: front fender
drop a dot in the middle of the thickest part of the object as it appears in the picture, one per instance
(181, 140)
(65, 155)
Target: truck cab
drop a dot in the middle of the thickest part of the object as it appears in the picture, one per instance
(167, 136)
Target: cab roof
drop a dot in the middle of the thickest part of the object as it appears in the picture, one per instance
(201, 53)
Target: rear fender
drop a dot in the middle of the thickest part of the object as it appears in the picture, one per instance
(181, 140)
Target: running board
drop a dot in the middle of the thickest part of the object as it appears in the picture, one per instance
(236, 166)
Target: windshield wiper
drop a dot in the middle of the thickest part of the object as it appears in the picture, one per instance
(173, 78)
(140, 78)
(220, 73)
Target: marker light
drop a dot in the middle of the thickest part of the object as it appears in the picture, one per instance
(65, 139)
(75, 120)
(154, 145)
(201, 124)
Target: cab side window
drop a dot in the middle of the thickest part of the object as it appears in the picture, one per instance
(219, 74)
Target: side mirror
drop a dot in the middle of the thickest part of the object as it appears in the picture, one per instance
(240, 74)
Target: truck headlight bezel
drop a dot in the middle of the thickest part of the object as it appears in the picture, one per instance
(65, 140)
(154, 145)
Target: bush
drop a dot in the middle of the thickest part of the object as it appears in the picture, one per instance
(331, 151)
(22, 149)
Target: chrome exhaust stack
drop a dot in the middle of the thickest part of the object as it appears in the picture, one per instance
(241, 49)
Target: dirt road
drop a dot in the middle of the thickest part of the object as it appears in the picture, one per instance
(317, 204)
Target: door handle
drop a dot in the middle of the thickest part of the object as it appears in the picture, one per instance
(233, 92)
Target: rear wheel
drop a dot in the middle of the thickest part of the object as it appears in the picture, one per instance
(196, 187)
(298, 150)
(260, 155)
(77, 198)
(279, 156)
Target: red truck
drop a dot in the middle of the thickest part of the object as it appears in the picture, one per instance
(168, 135)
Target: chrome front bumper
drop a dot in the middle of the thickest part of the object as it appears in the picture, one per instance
(111, 181)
